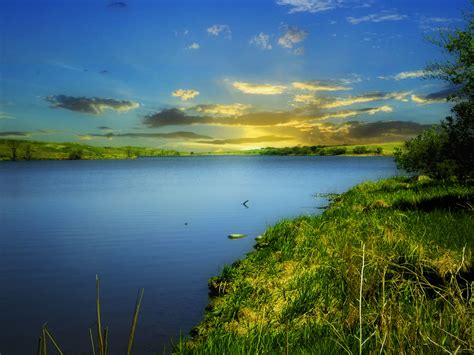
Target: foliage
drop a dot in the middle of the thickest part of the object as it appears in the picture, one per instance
(360, 150)
(387, 267)
(15, 149)
(448, 151)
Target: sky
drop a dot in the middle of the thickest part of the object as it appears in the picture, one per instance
(220, 75)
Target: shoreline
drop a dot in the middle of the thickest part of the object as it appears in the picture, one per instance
(298, 290)
(25, 150)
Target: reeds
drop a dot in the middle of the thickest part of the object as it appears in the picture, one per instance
(101, 346)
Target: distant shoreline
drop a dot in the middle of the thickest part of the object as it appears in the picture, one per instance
(16, 150)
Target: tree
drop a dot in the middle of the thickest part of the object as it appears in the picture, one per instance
(13, 145)
(28, 152)
(448, 151)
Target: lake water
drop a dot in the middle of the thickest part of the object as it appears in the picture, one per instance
(159, 223)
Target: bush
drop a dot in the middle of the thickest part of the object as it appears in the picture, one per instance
(360, 150)
(75, 155)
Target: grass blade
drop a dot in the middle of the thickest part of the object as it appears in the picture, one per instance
(53, 340)
(92, 341)
(134, 321)
(99, 326)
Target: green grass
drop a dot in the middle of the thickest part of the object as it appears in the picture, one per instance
(34, 150)
(386, 268)
(74, 151)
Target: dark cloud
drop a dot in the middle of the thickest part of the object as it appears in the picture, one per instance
(14, 134)
(117, 5)
(439, 96)
(176, 117)
(90, 105)
(247, 140)
(354, 132)
(379, 129)
(105, 128)
(171, 135)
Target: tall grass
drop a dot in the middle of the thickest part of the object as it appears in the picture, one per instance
(100, 346)
(387, 268)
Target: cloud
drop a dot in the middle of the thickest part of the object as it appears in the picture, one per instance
(217, 30)
(117, 5)
(437, 24)
(435, 97)
(299, 51)
(383, 129)
(185, 95)
(379, 17)
(6, 116)
(295, 118)
(105, 128)
(14, 134)
(194, 45)
(310, 5)
(352, 132)
(328, 103)
(90, 105)
(222, 110)
(292, 36)
(405, 75)
(259, 89)
(262, 40)
(246, 140)
(170, 135)
(318, 86)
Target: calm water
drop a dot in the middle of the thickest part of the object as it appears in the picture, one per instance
(63, 222)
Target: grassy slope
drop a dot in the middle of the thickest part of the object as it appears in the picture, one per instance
(298, 292)
(62, 151)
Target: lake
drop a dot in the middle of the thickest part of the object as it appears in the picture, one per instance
(157, 223)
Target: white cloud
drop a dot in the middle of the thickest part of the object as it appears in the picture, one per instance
(262, 40)
(6, 116)
(405, 75)
(379, 17)
(299, 51)
(292, 36)
(217, 30)
(259, 89)
(185, 95)
(194, 45)
(310, 5)
(437, 23)
(318, 86)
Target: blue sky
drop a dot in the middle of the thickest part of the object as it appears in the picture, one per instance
(221, 75)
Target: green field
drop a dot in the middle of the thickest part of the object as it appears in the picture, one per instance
(34, 150)
(387, 268)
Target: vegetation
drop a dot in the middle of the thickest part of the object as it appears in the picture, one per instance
(447, 151)
(101, 344)
(14, 149)
(321, 150)
(386, 268)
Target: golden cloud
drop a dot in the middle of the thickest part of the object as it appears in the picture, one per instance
(259, 89)
(222, 110)
(185, 95)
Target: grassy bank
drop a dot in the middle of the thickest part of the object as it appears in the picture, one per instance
(402, 247)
